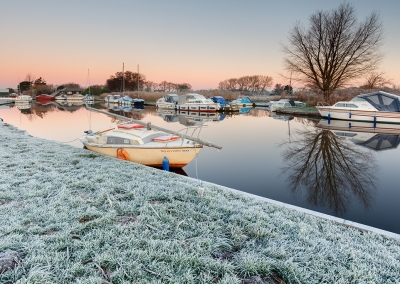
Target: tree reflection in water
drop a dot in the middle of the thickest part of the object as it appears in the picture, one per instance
(331, 169)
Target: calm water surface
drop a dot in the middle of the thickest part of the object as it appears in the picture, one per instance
(287, 159)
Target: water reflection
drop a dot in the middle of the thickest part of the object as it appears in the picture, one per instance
(375, 137)
(331, 169)
(189, 118)
(45, 106)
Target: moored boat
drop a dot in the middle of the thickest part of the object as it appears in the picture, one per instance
(196, 102)
(75, 97)
(137, 143)
(144, 143)
(284, 103)
(6, 100)
(112, 98)
(23, 99)
(242, 102)
(62, 97)
(125, 101)
(138, 102)
(224, 105)
(168, 101)
(373, 107)
(44, 97)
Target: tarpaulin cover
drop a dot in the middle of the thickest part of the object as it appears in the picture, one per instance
(382, 101)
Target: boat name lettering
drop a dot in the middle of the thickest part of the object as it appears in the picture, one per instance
(188, 150)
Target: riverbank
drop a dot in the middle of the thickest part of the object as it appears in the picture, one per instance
(76, 216)
(300, 111)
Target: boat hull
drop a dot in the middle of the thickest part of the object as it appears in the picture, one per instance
(44, 97)
(178, 156)
(359, 115)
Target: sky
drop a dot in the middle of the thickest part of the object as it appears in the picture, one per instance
(200, 42)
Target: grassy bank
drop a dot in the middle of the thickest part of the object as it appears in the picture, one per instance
(302, 111)
(78, 217)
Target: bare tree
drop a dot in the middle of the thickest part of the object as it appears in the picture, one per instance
(30, 78)
(255, 83)
(376, 80)
(334, 50)
(265, 81)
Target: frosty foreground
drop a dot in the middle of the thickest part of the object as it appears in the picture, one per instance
(75, 216)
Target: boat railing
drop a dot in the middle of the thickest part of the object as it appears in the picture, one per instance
(323, 104)
(188, 136)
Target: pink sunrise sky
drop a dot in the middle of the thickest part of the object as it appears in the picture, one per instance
(180, 41)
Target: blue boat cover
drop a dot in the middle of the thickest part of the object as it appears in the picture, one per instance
(382, 101)
(243, 100)
(220, 100)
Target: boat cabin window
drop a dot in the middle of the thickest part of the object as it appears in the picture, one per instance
(171, 99)
(346, 105)
(118, 140)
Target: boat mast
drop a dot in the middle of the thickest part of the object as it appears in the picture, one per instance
(123, 79)
(89, 82)
(138, 76)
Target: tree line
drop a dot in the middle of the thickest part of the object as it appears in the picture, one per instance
(131, 81)
(255, 84)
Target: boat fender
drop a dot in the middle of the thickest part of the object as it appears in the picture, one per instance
(122, 154)
(165, 164)
(349, 114)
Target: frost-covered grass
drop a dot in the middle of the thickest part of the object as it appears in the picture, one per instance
(79, 217)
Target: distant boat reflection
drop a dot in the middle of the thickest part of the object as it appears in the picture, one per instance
(189, 118)
(330, 169)
(43, 106)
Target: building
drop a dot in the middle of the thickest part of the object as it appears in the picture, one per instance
(4, 93)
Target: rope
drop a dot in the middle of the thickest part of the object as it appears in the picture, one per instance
(68, 141)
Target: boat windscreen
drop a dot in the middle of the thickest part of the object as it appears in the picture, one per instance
(172, 99)
(383, 101)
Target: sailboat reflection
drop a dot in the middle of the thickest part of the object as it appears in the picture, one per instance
(376, 136)
(333, 171)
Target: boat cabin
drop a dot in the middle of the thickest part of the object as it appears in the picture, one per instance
(193, 98)
(171, 98)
